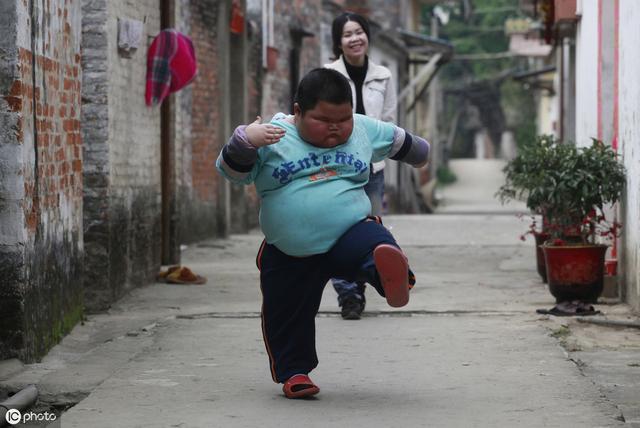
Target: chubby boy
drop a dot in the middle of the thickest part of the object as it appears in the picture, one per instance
(309, 170)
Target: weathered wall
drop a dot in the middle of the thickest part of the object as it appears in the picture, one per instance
(216, 102)
(607, 126)
(41, 246)
(254, 94)
(122, 150)
(12, 228)
(289, 15)
(199, 183)
(587, 75)
(629, 140)
(134, 156)
(96, 171)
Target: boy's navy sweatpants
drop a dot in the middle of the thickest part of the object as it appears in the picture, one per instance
(292, 289)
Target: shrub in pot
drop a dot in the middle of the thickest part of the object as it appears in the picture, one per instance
(592, 179)
(570, 189)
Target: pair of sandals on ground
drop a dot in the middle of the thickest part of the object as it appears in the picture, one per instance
(396, 280)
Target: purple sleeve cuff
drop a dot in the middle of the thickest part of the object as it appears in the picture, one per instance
(239, 153)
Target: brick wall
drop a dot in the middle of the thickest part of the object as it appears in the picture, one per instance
(198, 184)
(41, 246)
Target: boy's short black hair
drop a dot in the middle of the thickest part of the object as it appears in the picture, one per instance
(338, 26)
(322, 84)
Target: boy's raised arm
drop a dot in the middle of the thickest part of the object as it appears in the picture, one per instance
(238, 156)
(409, 148)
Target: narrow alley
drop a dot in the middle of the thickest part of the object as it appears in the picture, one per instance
(468, 350)
(122, 155)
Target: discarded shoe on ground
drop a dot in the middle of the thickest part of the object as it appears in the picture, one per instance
(180, 275)
(162, 276)
(570, 309)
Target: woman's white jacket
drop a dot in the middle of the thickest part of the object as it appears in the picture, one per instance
(378, 90)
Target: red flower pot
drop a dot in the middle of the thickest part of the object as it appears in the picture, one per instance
(540, 238)
(575, 272)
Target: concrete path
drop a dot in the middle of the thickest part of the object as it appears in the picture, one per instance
(474, 191)
(468, 350)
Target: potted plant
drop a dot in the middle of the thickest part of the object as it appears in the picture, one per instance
(591, 179)
(569, 187)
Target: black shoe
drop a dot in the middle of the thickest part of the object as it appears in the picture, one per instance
(352, 308)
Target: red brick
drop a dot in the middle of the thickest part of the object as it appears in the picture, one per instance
(68, 125)
(16, 89)
(15, 103)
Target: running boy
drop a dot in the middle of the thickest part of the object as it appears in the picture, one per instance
(309, 170)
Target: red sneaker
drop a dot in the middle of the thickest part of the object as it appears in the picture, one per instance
(393, 269)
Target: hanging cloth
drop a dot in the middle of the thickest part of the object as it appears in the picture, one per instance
(171, 65)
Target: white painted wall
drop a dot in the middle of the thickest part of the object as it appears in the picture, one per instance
(587, 74)
(629, 143)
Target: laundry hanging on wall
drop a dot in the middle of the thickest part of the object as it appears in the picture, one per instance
(129, 35)
(171, 65)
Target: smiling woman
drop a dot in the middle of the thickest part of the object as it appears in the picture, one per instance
(354, 43)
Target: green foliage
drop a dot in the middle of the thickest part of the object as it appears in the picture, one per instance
(445, 175)
(483, 33)
(568, 185)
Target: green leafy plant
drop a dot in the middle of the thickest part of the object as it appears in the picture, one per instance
(568, 185)
(525, 174)
(445, 175)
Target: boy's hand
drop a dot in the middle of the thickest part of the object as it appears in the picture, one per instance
(263, 134)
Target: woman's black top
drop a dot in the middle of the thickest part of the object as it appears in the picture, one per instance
(357, 74)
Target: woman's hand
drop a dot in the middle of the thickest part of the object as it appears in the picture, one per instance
(263, 134)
